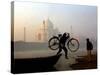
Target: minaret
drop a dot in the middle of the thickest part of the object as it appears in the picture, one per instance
(71, 31)
(24, 34)
(44, 31)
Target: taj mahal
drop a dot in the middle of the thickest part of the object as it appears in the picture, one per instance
(44, 31)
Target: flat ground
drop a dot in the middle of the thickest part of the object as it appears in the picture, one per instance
(83, 63)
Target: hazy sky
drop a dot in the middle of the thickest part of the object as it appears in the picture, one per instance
(83, 19)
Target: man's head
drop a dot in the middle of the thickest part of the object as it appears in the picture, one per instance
(87, 39)
(64, 34)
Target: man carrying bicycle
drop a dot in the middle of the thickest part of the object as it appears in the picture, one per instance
(62, 42)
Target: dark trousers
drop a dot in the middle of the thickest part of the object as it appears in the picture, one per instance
(64, 48)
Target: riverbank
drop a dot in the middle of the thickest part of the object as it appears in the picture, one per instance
(83, 63)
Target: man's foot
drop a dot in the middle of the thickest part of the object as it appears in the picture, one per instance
(57, 53)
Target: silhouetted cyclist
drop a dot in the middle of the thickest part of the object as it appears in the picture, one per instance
(62, 43)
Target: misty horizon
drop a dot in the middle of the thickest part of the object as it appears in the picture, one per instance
(82, 19)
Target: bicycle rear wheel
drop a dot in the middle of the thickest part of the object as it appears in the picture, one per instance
(54, 43)
(73, 45)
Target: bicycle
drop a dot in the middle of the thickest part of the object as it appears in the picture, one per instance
(72, 43)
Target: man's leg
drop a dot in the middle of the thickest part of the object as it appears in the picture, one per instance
(59, 51)
(66, 52)
(89, 55)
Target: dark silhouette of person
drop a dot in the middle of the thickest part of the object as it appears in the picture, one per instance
(89, 47)
(62, 42)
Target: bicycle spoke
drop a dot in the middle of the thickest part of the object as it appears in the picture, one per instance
(54, 43)
(73, 45)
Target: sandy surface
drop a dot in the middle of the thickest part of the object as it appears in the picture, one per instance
(84, 63)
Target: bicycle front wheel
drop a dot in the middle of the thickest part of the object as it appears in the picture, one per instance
(54, 43)
(73, 45)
